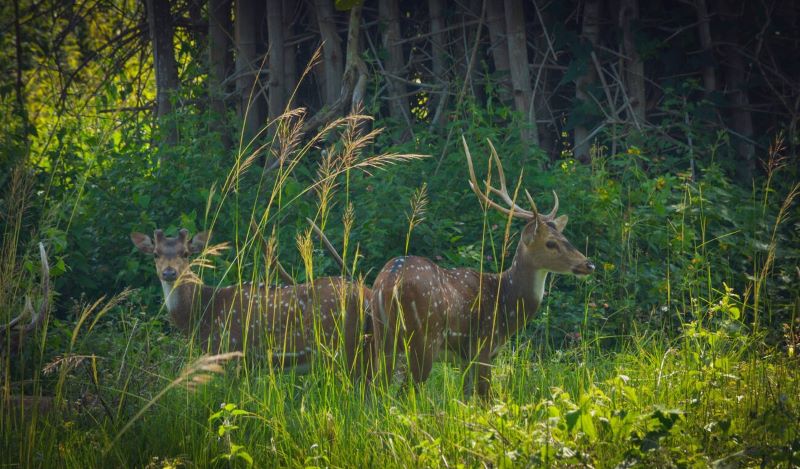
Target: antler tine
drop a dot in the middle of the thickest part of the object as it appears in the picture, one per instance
(533, 204)
(500, 171)
(503, 192)
(515, 210)
(473, 182)
(552, 214)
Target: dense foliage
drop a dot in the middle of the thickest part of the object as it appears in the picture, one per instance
(680, 350)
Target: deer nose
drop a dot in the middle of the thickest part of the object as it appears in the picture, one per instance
(585, 268)
(169, 274)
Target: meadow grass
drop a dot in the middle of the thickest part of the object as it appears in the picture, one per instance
(688, 401)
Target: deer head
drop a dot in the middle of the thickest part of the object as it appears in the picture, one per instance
(171, 254)
(542, 243)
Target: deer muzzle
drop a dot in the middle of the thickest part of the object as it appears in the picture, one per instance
(583, 269)
(169, 274)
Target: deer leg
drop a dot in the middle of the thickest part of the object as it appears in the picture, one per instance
(479, 379)
(385, 340)
(483, 375)
(420, 358)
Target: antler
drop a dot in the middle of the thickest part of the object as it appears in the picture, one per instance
(515, 210)
(37, 318)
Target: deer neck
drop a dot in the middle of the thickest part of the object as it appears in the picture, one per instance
(180, 301)
(521, 291)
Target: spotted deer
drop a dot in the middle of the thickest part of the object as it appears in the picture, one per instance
(289, 324)
(424, 310)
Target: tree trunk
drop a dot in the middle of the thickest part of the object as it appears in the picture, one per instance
(590, 31)
(354, 78)
(706, 45)
(277, 101)
(198, 27)
(736, 80)
(289, 52)
(389, 15)
(633, 67)
(19, 83)
(496, 21)
(463, 44)
(332, 56)
(543, 86)
(159, 20)
(520, 68)
(219, 26)
(438, 54)
(247, 73)
(735, 77)
(355, 71)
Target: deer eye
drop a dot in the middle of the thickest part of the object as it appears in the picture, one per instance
(155, 255)
(551, 245)
(185, 255)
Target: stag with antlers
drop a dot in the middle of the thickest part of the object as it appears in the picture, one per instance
(426, 311)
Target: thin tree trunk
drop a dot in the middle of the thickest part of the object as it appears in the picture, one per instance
(462, 46)
(199, 31)
(354, 78)
(543, 84)
(277, 101)
(520, 68)
(289, 52)
(355, 72)
(496, 21)
(633, 65)
(159, 21)
(19, 84)
(590, 31)
(706, 45)
(477, 11)
(389, 15)
(438, 54)
(735, 77)
(219, 24)
(247, 72)
(332, 56)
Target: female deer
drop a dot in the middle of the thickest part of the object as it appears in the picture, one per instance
(288, 323)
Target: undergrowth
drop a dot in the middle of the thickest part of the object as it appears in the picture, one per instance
(679, 351)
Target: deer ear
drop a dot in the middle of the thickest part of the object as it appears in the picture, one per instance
(561, 222)
(142, 242)
(529, 232)
(198, 242)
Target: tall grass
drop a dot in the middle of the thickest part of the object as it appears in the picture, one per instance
(714, 395)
